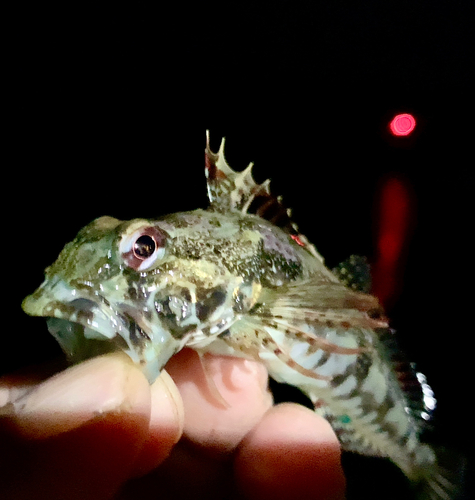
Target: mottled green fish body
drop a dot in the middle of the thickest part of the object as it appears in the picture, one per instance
(240, 279)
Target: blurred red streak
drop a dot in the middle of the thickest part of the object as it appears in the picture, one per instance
(395, 217)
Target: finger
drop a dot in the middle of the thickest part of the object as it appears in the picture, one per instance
(73, 397)
(166, 424)
(223, 404)
(291, 453)
(77, 434)
(15, 385)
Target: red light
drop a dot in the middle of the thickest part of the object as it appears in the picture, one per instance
(396, 212)
(402, 124)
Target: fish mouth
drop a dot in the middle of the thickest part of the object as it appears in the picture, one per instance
(86, 324)
(83, 326)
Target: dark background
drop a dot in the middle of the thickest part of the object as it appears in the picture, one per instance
(110, 104)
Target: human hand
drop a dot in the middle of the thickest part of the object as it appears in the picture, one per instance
(99, 431)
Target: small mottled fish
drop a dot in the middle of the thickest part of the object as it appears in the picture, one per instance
(240, 279)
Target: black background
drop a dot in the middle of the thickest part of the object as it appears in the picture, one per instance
(110, 104)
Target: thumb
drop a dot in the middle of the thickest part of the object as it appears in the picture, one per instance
(78, 434)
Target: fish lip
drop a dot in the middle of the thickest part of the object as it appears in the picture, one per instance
(78, 308)
(84, 313)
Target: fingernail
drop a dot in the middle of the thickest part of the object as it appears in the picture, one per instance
(167, 405)
(166, 425)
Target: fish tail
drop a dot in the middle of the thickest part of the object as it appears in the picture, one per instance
(443, 479)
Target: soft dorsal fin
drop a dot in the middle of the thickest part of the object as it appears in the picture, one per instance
(229, 190)
(355, 273)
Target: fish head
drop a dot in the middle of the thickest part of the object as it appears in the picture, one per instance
(131, 286)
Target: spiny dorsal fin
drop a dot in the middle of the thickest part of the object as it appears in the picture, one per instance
(229, 190)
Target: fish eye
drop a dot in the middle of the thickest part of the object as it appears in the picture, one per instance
(144, 246)
(141, 248)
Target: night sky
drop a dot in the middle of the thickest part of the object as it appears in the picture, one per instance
(111, 103)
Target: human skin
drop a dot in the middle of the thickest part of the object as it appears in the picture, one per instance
(205, 429)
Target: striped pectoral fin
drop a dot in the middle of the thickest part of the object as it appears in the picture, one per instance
(300, 335)
(268, 339)
(344, 318)
(304, 351)
(271, 345)
(318, 296)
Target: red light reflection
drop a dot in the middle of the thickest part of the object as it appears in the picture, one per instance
(402, 125)
(395, 213)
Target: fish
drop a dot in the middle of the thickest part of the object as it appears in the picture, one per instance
(239, 279)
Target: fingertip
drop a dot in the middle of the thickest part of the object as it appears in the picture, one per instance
(291, 453)
(166, 424)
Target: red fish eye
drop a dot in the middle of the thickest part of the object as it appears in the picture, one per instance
(140, 249)
(144, 247)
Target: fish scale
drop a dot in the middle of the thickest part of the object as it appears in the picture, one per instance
(240, 279)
